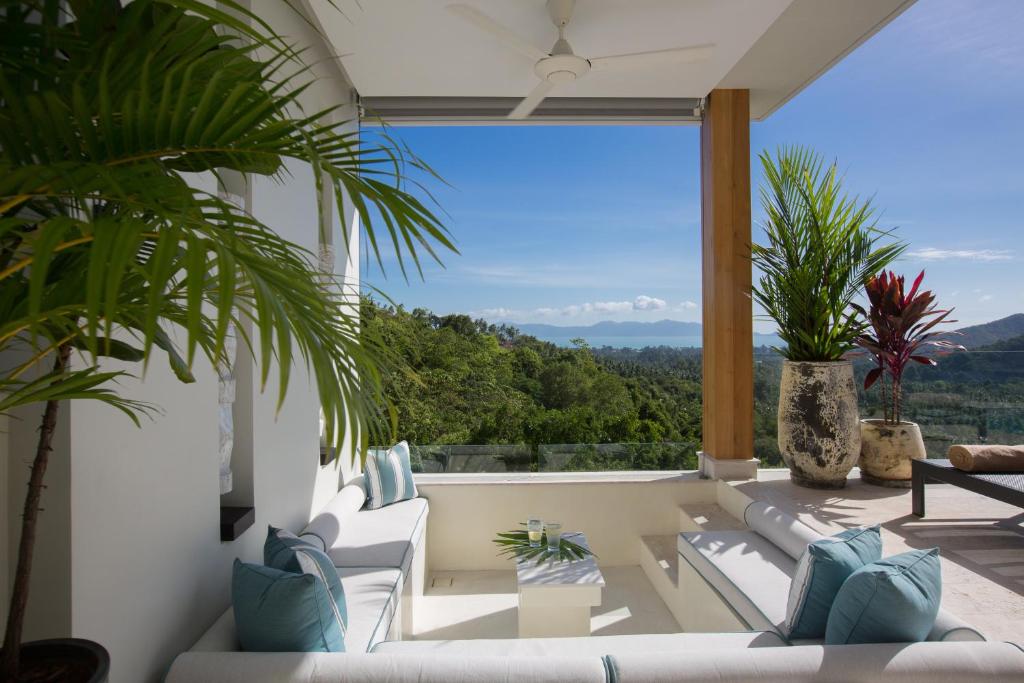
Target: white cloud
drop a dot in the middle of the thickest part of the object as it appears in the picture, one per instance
(934, 254)
(649, 303)
(611, 306)
(496, 313)
(688, 305)
(986, 297)
(642, 303)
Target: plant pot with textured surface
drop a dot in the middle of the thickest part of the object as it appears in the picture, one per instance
(886, 451)
(819, 430)
(69, 660)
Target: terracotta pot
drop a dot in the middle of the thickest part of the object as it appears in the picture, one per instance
(887, 450)
(71, 660)
(819, 430)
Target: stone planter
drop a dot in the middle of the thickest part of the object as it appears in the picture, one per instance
(886, 452)
(819, 430)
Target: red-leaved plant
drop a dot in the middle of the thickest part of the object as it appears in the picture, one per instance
(901, 327)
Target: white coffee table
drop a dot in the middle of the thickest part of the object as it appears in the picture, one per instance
(555, 597)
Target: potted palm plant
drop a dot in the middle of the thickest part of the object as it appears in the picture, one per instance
(902, 328)
(106, 250)
(821, 248)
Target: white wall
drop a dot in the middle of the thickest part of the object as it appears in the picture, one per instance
(464, 517)
(136, 516)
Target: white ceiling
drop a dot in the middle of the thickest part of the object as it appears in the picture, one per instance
(416, 48)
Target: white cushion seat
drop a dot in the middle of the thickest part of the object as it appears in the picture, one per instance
(750, 573)
(371, 596)
(374, 538)
(596, 646)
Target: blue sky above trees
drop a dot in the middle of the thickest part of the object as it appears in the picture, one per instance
(572, 225)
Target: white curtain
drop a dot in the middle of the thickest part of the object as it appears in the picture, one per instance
(226, 399)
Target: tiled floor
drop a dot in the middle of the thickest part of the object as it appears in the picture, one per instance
(981, 540)
(482, 604)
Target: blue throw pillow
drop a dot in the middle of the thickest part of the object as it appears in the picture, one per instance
(894, 600)
(285, 551)
(820, 573)
(279, 611)
(387, 476)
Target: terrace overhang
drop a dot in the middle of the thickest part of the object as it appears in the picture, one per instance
(420, 62)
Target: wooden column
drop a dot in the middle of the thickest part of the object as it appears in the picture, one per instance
(725, 239)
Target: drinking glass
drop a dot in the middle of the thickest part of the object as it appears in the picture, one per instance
(535, 529)
(554, 532)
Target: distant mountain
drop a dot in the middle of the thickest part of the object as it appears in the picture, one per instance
(625, 330)
(990, 333)
(609, 328)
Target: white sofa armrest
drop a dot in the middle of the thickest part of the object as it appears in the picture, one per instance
(324, 667)
(221, 637)
(899, 662)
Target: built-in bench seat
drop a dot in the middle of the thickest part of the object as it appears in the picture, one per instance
(747, 573)
(897, 662)
(751, 570)
(380, 557)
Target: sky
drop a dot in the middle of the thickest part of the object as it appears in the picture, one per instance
(573, 225)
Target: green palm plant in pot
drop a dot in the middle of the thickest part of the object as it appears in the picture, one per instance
(107, 250)
(902, 330)
(821, 247)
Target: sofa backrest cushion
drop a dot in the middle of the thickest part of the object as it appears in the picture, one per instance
(279, 611)
(905, 663)
(785, 531)
(820, 573)
(287, 667)
(387, 476)
(890, 601)
(323, 529)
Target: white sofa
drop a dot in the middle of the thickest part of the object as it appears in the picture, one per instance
(381, 560)
(745, 574)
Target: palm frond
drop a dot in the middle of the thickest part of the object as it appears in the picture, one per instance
(106, 111)
(822, 246)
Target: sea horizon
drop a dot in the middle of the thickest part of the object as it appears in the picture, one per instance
(640, 342)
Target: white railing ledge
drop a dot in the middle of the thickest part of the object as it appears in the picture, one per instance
(520, 478)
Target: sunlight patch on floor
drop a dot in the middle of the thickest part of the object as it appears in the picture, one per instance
(482, 604)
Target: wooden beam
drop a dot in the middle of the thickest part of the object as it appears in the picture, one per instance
(727, 309)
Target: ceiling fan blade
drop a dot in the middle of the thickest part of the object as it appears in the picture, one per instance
(502, 33)
(531, 101)
(645, 60)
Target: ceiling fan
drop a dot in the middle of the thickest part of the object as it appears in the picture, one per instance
(561, 65)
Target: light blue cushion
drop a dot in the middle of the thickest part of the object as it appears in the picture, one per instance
(894, 600)
(820, 573)
(279, 611)
(285, 551)
(387, 476)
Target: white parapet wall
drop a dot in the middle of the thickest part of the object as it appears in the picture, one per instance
(613, 509)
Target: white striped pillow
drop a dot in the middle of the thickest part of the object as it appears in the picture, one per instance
(387, 476)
